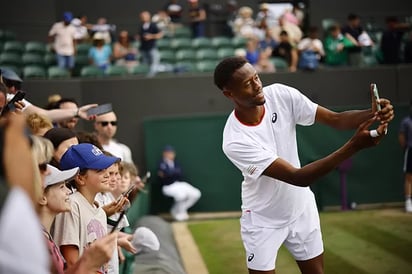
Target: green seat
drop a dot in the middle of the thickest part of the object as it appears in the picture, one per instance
(114, 70)
(181, 43)
(33, 59)
(13, 46)
(35, 47)
(221, 42)
(83, 48)
(201, 43)
(225, 52)
(279, 63)
(33, 71)
(91, 71)
(182, 32)
(239, 42)
(163, 44)
(206, 54)
(10, 59)
(79, 62)
(140, 69)
(55, 72)
(167, 56)
(185, 55)
(50, 59)
(206, 66)
(185, 66)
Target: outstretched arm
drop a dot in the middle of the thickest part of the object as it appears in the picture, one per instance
(305, 176)
(61, 114)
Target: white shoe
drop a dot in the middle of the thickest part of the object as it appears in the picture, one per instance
(408, 205)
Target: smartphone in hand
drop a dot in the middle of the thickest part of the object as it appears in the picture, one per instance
(100, 109)
(376, 95)
(10, 105)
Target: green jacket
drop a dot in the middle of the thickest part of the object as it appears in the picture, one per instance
(333, 56)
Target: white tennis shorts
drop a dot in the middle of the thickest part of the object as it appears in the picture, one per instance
(303, 239)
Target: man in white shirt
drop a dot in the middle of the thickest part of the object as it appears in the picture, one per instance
(64, 36)
(259, 138)
(106, 128)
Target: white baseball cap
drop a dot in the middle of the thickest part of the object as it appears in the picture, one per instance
(144, 238)
(58, 176)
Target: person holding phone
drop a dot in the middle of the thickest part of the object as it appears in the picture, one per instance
(259, 138)
(14, 83)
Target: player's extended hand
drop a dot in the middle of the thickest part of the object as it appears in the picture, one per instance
(386, 114)
(364, 137)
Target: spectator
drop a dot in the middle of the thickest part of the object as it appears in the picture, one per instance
(106, 128)
(129, 176)
(82, 33)
(359, 38)
(405, 140)
(392, 40)
(259, 57)
(294, 32)
(38, 124)
(62, 139)
(244, 24)
(265, 19)
(197, 19)
(14, 83)
(106, 30)
(3, 96)
(310, 50)
(184, 194)
(336, 47)
(286, 50)
(100, 54)
(67, 103)
(162, 20)
(124, 53)
(63, 35)
(74, 231)
(88, 137)
(148, 34)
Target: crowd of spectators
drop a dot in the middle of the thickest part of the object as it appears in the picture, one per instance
(167, 40)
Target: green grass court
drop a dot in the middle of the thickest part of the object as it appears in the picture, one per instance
(356, 242)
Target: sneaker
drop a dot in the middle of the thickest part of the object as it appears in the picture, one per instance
(408, 205)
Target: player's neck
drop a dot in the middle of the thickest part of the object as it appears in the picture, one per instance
(251, 116)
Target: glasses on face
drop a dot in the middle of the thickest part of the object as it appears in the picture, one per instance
(43, 167)
(106, 123)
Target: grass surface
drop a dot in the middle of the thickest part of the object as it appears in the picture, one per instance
(356, 242)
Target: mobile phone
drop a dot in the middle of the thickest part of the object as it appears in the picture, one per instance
(376, 94)
(118, 221)
(10, 105)
(100, 109)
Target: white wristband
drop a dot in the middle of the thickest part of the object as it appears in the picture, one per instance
(373, 133)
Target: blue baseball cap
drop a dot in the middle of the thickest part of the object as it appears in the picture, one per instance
(68, 16)
(9, 74)
(86, 156)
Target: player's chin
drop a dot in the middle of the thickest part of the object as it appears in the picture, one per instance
(261, 102)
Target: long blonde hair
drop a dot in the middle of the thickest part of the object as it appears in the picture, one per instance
(42, 152)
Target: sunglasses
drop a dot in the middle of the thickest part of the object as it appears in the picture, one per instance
(106, 123)
(43, 167)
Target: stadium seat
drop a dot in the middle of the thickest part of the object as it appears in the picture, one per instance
(185, 55)
(34, 71)
(225, 52)
(167, 56)
(33, 59)
(279, 63)
(206, 66)
(180, 43)
(50, 59)
(10, 59)
(140, 69)
(185, 66)
(221, 42)
(79, 62)
(7, 35)
(35, 47)
(201, 43)
(163, 44)
(239, 42)
(57, 72)
(182, 32)
(83, 48)
(91, 71)
(206, 54)
(114, 70)
(13, 47)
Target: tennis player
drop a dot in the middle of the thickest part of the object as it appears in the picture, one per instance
(259, 138)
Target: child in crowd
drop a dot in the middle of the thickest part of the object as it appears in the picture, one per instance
(129, 176)
(74, 231)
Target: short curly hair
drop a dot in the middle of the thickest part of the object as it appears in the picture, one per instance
(225, 69)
